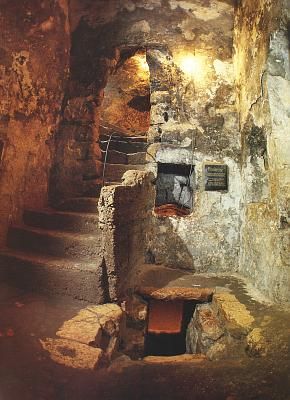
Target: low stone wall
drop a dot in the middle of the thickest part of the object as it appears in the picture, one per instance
(125, 211)
(219, 329)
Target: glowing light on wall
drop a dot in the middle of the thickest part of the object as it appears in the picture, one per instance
(141, 60)
(193, 66)
(142, 67)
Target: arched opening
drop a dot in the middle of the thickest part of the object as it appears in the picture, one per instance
(126, 104)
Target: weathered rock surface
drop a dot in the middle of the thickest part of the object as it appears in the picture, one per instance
(204, 329)
(136, 308)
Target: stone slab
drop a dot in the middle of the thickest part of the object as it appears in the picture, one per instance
(176, 293)
(192, 358)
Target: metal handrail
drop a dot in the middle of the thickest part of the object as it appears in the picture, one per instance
(105, 160)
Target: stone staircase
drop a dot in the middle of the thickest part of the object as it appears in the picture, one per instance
(121, 154)
(59, 251)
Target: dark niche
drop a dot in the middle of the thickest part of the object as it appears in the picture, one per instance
(174, 185)
(140, 103)
(216, 177)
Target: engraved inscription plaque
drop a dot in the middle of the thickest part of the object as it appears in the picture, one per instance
(216, 177)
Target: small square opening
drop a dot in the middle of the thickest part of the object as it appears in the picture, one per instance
(174, 189)
(166, 327)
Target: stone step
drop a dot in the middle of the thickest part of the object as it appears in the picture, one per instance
(118, 157)
(54, 243)
(124, 145)
(79, 204)
(107, 129)
(62, 220)
(45, 274)
(119, 136)
(93, 187)
(114, 172)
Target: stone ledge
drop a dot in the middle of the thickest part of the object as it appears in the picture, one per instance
(176, 293)
(192, 358)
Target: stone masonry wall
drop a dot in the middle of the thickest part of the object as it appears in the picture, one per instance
(124, 215)
(262, 65)
(34, 45)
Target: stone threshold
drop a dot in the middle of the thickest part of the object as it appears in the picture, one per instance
(182, 358)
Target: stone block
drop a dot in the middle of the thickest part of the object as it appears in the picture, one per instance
(110, 317)
(136, 308)
(228, 306)
(160, 97)
(133, 343)
(256, 343)
(84, 328)
(157, 113)
(72, 354)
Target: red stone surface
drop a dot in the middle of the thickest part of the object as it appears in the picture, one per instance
(171, 210)
(165, 316)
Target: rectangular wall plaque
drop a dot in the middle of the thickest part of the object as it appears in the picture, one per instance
(216, 177)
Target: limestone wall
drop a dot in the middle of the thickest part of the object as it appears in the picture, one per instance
(262, 65)
(34, 44)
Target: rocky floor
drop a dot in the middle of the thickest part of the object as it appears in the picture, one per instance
(30, 371)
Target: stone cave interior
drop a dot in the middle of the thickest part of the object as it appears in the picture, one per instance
(144, 199)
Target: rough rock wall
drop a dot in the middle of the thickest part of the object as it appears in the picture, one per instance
(34, 45)
(194, 119)
(126, 103)
(262, 65)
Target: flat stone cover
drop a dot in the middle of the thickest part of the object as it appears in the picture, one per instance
(165, 316)
(176, 293)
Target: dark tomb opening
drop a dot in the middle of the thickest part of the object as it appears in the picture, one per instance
(174, 189)
(166, 327)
